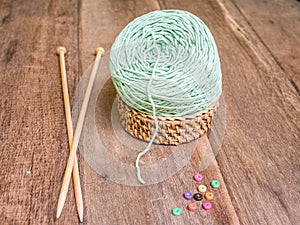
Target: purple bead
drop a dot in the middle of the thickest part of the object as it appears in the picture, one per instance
(188, 195)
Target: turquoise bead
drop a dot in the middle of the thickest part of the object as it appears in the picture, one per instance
(215, 183)
(176, 211)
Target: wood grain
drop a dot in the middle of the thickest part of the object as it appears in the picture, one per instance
(276, 25)
(268, 148)
(258, 165)
(33, 139)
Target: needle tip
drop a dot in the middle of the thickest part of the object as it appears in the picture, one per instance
(58, 211)
(81, 218)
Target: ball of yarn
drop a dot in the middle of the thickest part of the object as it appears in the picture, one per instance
(167, 60)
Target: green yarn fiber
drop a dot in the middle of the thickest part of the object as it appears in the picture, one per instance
(166, 61)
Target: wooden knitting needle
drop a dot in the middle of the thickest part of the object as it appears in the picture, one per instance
(68, 171)
(61, 51)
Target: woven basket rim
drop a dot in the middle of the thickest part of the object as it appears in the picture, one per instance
(173, 130)
(172, 117)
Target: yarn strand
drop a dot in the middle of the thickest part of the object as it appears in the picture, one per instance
(138, 171)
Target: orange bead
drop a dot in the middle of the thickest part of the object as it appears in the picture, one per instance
(209, 196)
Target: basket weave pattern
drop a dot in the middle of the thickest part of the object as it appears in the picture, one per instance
(173, 130)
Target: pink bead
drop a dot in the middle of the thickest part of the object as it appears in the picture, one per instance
(206, 205)
(198, 177)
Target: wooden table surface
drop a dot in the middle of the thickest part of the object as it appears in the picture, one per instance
(259, 161)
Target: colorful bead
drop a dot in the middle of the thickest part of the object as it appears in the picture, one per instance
(206, 205)
(202, 188)
(209, 196)
(198, 177)
(176, 211)
(192, 206)
(198, 197)
(215, 183)
(188, 195)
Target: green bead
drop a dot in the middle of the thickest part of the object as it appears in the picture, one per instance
(176, 211)
(215, 183)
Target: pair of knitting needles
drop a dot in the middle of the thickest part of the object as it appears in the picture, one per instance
(72, 164)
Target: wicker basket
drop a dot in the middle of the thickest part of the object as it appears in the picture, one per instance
(173, 130)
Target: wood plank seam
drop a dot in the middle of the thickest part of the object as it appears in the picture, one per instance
(276, 60)
(244, 35)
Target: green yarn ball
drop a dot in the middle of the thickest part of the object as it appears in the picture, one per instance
(166, 63)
